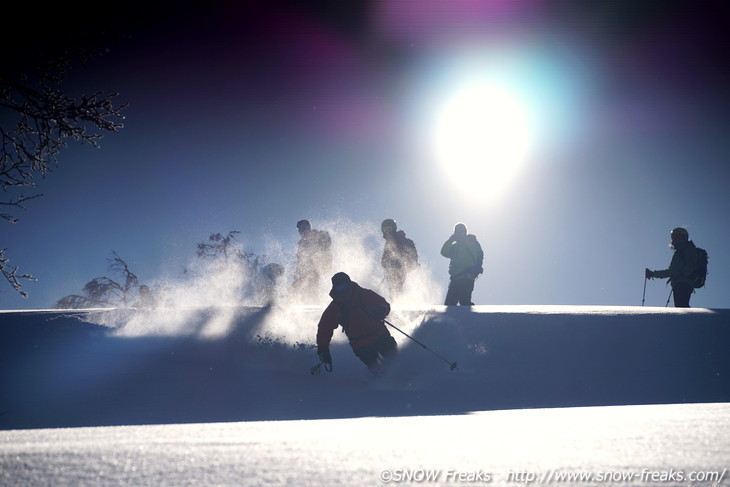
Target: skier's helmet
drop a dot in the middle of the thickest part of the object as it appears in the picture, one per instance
(388, 226)
(303, 225)
(680, 234)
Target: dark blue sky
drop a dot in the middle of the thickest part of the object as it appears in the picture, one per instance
(251, 118)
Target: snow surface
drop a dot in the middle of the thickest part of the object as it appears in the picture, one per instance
(189, 365)
(187, 396)
(513, 447)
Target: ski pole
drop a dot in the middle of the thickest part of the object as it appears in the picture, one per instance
(669, 297)
(451, 364)
(643, 296)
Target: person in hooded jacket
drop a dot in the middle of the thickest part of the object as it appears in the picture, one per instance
(683, 263)
(361, 313)
(465, 266)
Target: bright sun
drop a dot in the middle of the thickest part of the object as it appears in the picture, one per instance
(483, 134)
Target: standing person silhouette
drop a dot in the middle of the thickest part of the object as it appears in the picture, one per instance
(314, 258)
(466, 257)
(399, 257)
(683, 264)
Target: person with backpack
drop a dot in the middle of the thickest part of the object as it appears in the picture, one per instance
(314, 258)
(361, 313)
(685, 271)
(399, 256)
(465, 266)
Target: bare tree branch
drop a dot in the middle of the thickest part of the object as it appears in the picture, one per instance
(38, 119)
(11, 274)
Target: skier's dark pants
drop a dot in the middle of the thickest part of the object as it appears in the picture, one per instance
(682, 293)
(459, 292)
(385, 347)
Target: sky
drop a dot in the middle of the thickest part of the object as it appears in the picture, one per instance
(600, 126)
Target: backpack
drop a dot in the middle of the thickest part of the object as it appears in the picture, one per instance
(699, 275)
(407, 250)
(412, 253)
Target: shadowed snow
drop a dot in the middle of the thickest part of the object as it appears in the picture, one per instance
(117, 367)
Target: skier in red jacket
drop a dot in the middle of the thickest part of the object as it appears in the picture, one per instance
(361, 313)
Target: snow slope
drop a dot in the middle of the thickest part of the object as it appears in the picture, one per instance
(654, 445)
(195, 365)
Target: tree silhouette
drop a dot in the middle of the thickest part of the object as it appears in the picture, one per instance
(223, 249)
(103, 292)
(261, 280)
(38, 119)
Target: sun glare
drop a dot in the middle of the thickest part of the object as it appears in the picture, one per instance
(483, 134)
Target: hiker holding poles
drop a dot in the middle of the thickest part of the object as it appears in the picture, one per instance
(686, 271)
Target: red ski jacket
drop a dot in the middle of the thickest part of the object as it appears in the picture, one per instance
(361, 317)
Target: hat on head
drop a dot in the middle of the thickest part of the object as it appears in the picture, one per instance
(388, 225)
(340, 278)
(341, 284)
(680, 234)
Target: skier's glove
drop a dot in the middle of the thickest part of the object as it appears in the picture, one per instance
(649, 274)
(324, 356)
